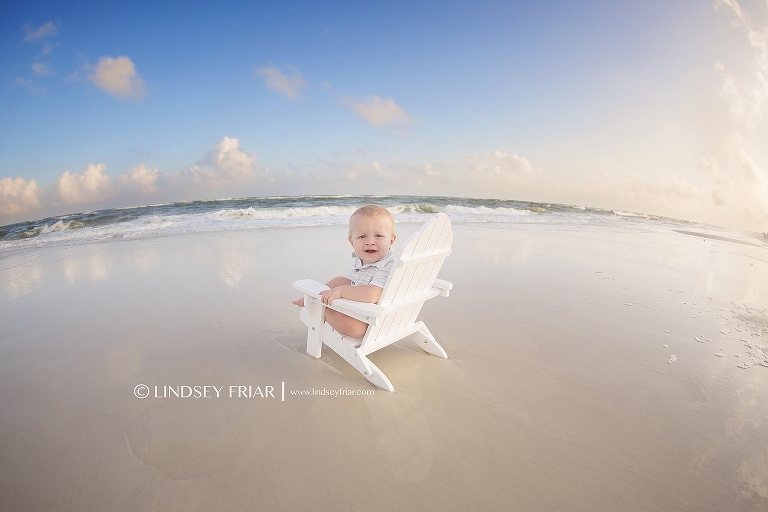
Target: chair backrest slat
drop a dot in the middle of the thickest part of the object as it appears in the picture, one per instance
(412, 314)
(429, 228)
(439, 232)
(409, 315)
(419, 276)
(399, 292)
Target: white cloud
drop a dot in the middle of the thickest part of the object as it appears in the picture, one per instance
(711, 166)
(73, 78)
(90, 186)
(225, 169)
(740, 185)
(46, 30)
(740, 196)
(288, 86)
(747, 168)
(140, 179)
(377, 111)
(31, 86)
(226, 165)
(371, 173)
(664, 192)
(746, 95)
(503, 167)
(41, 69)
(511, 176)
(118, 77)
(18, 196)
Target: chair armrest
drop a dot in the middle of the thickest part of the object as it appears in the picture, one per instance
(356, 309)
(310, 287)
(363, 311)
(444, 286)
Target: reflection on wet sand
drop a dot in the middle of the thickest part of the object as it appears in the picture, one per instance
(92, 265)
(20, 275)
(233, 261)
(147, 258)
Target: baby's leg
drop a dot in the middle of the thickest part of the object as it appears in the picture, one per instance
(333, 283)
(344, 324)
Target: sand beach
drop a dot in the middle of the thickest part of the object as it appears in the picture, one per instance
(592, 367)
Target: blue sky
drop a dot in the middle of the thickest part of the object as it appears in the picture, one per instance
(646, 106)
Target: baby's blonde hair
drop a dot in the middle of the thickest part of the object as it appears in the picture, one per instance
(372, 210)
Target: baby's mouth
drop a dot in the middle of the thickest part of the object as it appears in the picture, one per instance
(370, 251)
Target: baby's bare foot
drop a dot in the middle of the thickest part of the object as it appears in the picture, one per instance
(299, 302)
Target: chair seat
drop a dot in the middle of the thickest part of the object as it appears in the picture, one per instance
(355, 342)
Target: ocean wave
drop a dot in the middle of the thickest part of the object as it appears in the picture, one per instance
(285, 212)
(484, 210)
(60, 225)
(628, 214)
(318, 211)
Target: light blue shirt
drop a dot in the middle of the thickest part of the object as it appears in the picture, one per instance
(375, 273)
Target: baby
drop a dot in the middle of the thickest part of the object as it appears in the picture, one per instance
(371, 233)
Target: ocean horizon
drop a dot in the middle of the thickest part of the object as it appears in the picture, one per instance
(249, 213)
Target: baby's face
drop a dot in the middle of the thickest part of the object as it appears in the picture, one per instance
(371, 237)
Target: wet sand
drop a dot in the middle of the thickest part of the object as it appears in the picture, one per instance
(558, 393)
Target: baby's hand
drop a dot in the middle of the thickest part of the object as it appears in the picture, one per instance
(328, 296)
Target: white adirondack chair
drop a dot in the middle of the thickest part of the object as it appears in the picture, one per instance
(412, 281)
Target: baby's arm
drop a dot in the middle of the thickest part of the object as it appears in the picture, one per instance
(341, 322)
(364, 293)
(333, 283)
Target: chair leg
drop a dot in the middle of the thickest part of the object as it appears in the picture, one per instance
(349, 353)
(313, 316)
(377, 377)
(424, 339)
